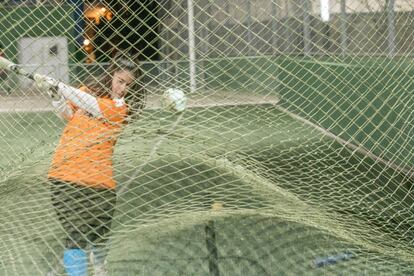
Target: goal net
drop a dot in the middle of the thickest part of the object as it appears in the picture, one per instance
(294, 155)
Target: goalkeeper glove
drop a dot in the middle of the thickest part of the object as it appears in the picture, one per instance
(62, 107)
(47, 84)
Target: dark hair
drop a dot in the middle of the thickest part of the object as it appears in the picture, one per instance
(136, 95)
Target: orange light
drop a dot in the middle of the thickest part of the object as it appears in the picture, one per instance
(98, 12)
(108, 15)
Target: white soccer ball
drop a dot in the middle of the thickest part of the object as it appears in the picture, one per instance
(174, 99)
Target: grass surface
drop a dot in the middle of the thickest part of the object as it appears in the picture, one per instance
(289, 195)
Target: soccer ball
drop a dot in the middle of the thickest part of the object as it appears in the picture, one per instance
(174, 99)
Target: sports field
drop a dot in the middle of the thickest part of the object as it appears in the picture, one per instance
(290, 195)
(293, 156)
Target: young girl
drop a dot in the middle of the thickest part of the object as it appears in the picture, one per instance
(81, 173)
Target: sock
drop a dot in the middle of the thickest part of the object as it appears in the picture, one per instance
(75, 262)
(99, 255)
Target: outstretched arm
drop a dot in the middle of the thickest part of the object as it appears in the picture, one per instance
(66, 93)
(80, 98)
(62, 106)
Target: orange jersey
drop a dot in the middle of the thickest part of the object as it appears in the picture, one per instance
(84, 153)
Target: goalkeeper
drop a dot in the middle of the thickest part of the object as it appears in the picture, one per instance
(81, 173)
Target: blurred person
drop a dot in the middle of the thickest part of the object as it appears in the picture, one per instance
(81, 173)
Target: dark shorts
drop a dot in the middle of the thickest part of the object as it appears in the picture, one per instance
(85, 213)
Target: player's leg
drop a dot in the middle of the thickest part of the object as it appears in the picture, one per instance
(68, 202)
(103, 202)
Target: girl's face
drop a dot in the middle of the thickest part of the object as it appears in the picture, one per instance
(121, 81)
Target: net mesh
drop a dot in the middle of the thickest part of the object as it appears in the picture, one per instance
(295, 154)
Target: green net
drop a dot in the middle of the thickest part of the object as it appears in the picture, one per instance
(294, 155)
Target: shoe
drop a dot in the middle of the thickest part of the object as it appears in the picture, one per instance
(75, 262)
(100, 270)
(99, 267)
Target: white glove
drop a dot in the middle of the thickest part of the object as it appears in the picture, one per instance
(47, 84)
(62, 107)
